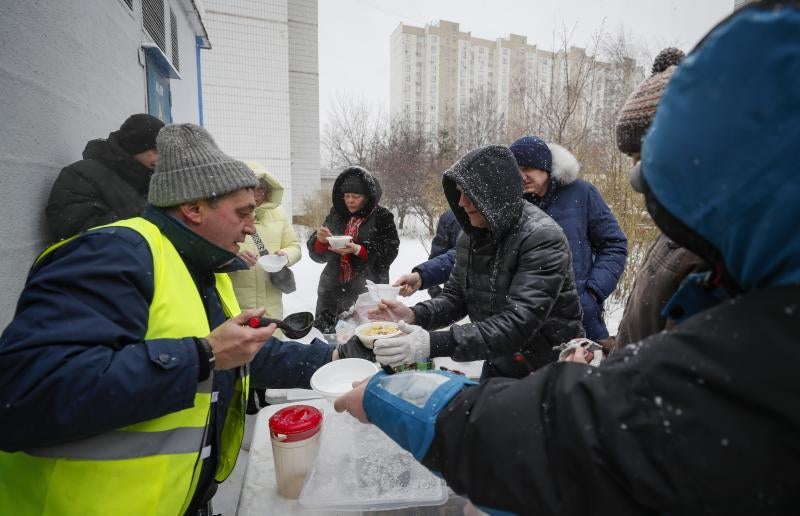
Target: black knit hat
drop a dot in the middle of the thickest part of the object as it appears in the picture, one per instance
(353, 184)
(138, 133)
(639, 109)
(532, 152)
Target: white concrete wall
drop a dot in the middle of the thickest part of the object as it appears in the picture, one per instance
(185, 96)
(261, 88)
(69, 72)
(304, 101)
(246, 82)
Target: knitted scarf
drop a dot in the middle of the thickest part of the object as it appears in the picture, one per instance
(346, 273)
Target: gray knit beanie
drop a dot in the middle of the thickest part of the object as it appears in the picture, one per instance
(191, 167)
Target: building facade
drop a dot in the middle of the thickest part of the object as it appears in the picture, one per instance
(261, 88)
(438, 71)
(71, 72)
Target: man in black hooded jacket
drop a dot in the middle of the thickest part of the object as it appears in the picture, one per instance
(513, 277)
(110, 183)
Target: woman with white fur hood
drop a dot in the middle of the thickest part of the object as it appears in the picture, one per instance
(599, 247)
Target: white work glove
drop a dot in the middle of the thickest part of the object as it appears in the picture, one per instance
(592, 352)
(405, 349)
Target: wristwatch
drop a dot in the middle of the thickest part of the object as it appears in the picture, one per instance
(205, 354)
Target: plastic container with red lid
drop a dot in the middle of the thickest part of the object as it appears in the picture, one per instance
(294, 432)
(295, 423)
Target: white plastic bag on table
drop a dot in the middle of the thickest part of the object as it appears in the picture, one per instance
(364, 303)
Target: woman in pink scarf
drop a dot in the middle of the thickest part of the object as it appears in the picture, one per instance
(373, 248)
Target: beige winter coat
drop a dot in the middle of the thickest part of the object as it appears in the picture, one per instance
(252, 287)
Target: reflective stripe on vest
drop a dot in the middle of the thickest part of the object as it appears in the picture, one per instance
(151, 467)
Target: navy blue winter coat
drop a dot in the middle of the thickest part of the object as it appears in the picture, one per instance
(447, 231)
(599, 247)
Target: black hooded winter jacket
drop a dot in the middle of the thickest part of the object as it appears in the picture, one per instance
(514, 279)
(105, 186)
(377, 233)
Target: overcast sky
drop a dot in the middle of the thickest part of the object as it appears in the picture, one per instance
(354, 34)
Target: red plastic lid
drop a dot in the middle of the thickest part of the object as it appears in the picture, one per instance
(295, 423)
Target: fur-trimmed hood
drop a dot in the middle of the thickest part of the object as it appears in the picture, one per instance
(565, 165)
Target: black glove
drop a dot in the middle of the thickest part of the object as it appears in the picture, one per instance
(326, 322)
(354, 349)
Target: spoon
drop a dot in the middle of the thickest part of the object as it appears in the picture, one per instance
(295, 326)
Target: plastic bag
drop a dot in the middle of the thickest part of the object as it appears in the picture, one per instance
(344, 331)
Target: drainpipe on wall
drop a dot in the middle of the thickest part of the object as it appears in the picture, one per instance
(198, 44)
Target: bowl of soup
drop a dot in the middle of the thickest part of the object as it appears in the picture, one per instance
(369, 332)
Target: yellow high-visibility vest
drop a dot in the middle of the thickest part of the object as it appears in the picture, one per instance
(149, 468)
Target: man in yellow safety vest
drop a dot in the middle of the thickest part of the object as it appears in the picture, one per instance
(125, 371)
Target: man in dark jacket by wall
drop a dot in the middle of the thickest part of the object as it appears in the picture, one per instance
(513, 277)
(702, 419)
(110, 183)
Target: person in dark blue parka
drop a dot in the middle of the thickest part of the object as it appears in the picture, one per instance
(447, 231)
(599, 247)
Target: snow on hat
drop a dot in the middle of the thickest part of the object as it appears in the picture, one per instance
(138, 133)
(532, 152)
(639, 109)
(191, 167)
(353, 184)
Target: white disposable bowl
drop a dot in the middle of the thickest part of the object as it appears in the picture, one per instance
(337, 377)
(369, 340)
(385, 291)
(339, 242)
(272, 262)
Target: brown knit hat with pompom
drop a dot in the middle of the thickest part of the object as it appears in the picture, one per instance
(640, 107)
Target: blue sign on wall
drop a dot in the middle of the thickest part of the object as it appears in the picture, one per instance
(159, 97)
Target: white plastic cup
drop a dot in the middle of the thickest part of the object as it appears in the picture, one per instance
(294, 432)
(387, 292)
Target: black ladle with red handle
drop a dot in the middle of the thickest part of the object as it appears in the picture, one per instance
(295, 326)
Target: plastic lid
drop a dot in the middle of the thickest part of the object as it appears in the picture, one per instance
(295, 423)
